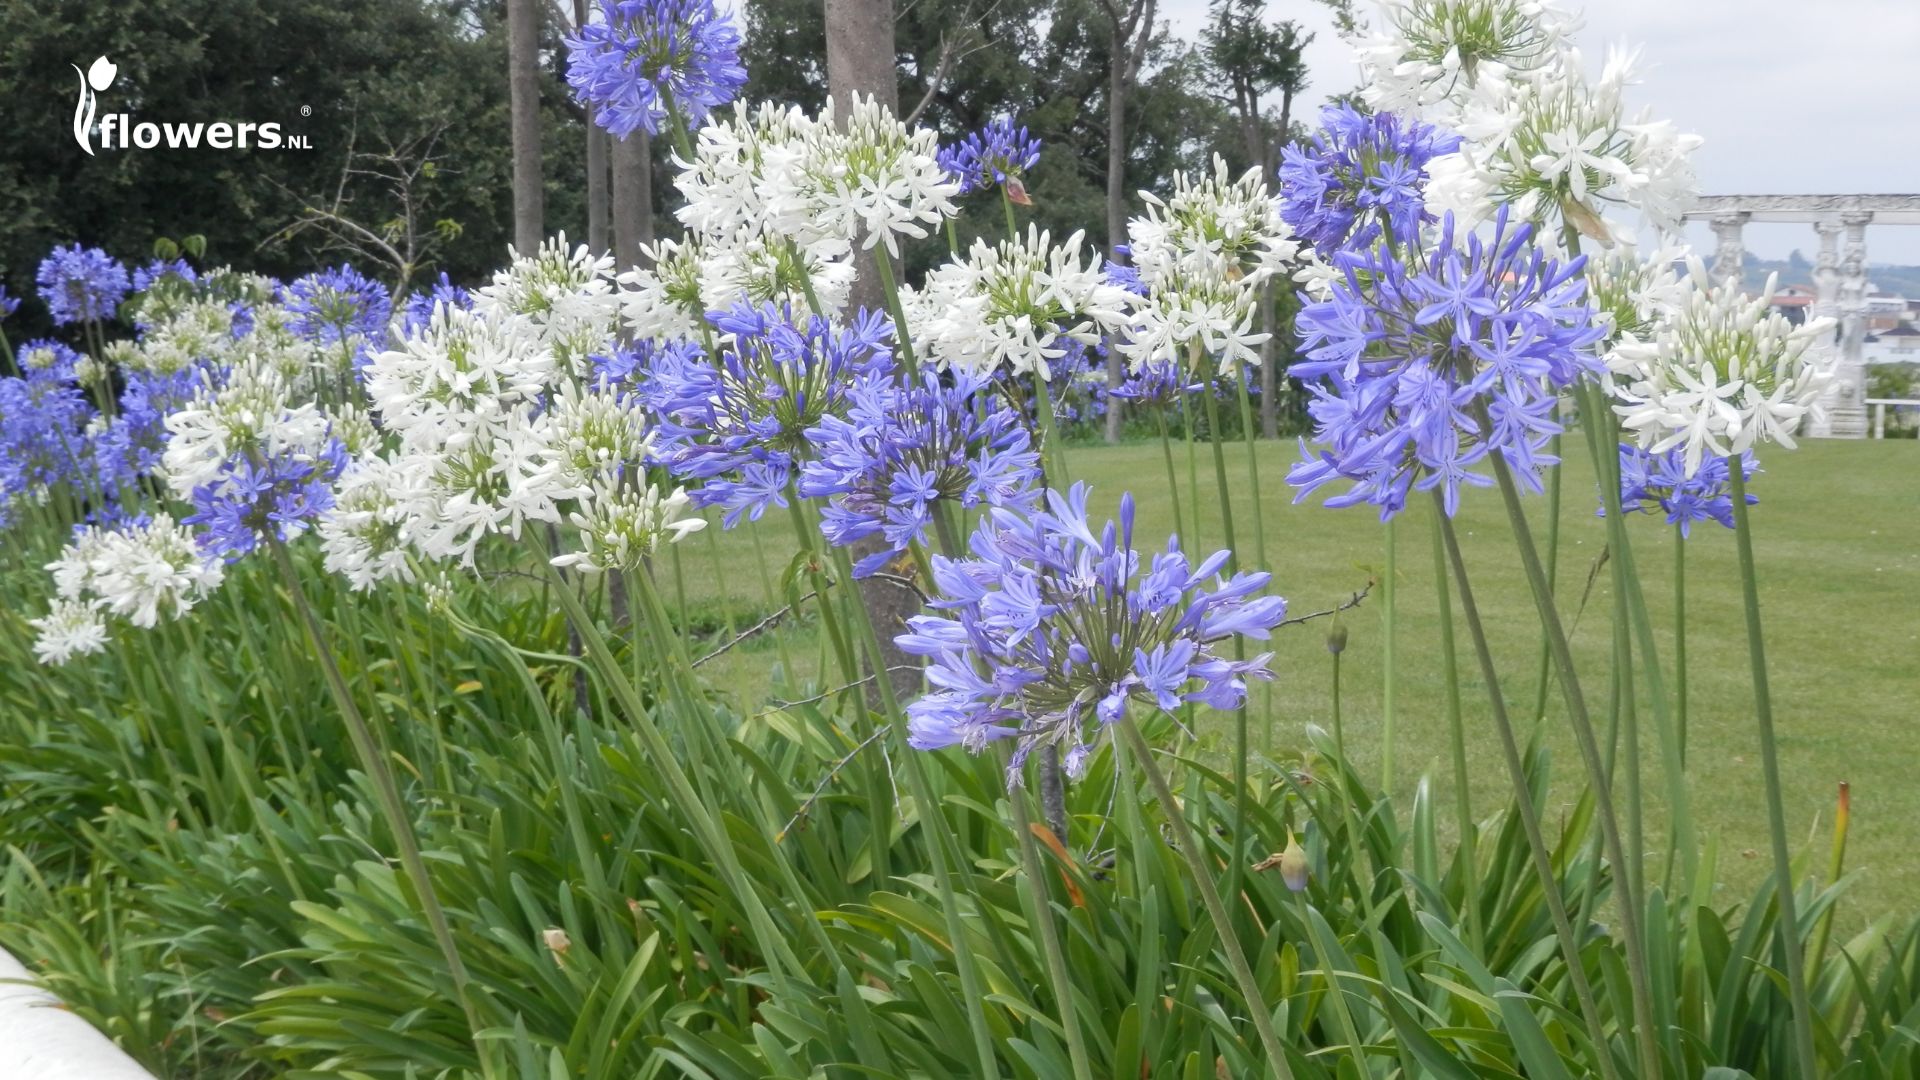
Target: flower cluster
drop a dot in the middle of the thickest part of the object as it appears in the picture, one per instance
(279, 497)
(739, 422)
(1358, 177)
(1021, 304)
(337, 305)
(1433, 360)
(998, 155)
(1051, 630)
(81, 285)
(646, 59)
(138, 571)
(1432, 54)
(1719, 372)
(1202, 256)
(1660, 483)
(902, 451)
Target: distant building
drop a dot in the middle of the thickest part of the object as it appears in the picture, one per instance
(1885, 311)
(1899, 344)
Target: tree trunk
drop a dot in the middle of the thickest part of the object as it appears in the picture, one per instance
(632, 197)
(597, 195)
(523, 91)
(1116, 194)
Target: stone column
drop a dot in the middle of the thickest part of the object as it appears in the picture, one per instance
(1728, 253)
(1826, 305)
(1847, 417)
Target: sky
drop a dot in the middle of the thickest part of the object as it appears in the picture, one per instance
(1792, 96)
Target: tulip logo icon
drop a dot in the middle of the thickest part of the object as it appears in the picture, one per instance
(95, 79)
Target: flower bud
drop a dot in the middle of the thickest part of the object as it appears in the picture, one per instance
(1293, 864)
(557, 943)
(1337, 639)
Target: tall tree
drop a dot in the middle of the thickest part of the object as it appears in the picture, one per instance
(598, 199)
(1252, 59)
(1130, 26)
(523, 91)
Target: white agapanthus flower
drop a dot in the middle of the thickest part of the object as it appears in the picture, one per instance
(72, 628)
(869, 184)
(1431, 55)
(364, 537)
(620, 525)
(1633, 295)
(668, 296)
(253, 412)
(1203, 255)
(1721, 373)
(137, 572)
(467, 375)
(1554, 146)
(734, 158)
(1016, 303)
(553, 292)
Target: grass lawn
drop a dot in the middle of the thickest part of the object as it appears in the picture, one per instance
(1838, 543)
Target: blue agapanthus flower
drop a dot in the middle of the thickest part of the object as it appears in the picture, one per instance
(336, 305)
(645, 56)
(739, 424)
(903, 450)
(281, 497)
(994, 156)
(8, 304)
(418, 311)
(160, 270)
(43, 420)
(81, 284)
(1051, 630)
(1659, 484)
(1433, 360)
(131, 444)
(1358, 175)
(45, 355)
(1161, 381)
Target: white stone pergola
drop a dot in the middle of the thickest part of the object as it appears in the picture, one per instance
(1839, 275)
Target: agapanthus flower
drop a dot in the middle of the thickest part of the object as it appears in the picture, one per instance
(869, 181)
(251, 501)
(251, 414)
(53, 360)
(737, 157)
(1659, 484)
(647, 58)
(138, 572)
(739, 422)
(8, 304)
(1160, 382)
(621, 524)
(1554, 146)
(132, 443)
(161, 271)
(1430, 54)
(1051, 630)
(998, 155)
(1359, 176)
(43, 445)
(1203, 255)
(81, 284)
(72, 628)
(419, 308)
(336, 305)
(902, 451)
(1021, 304)
(1433, 360)
(1720, 373)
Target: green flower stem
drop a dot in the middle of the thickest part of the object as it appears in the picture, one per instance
(1259, 525)
(1603, 443)
(1457, 737)
(387, 792)
(1680, 641)
(1240, 748)
(1523, 798)
(1189, 844)
(1543, 677)
(1632, 907)
(1050, 448)
(1389, 617)
(1783, 881)
(884, 263)
(1166, 453)
(1006, 204)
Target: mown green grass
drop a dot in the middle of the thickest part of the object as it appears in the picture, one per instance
(1838, 544)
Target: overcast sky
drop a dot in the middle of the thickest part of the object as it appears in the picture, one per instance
(1792, 96)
